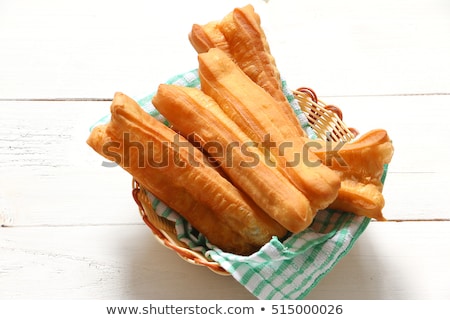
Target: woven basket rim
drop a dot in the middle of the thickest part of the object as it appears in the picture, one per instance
(326, 122)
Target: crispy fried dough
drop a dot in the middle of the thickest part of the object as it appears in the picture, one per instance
(205, 37)
(240, 35)
(198, 116)
(256, 113)
(360, 165)
(177, 173)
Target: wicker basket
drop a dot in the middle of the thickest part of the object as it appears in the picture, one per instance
(326, 122)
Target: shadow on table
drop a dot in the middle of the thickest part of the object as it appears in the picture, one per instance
(156, 272)
(358, 276)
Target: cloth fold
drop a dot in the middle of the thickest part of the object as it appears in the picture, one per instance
(290, 270)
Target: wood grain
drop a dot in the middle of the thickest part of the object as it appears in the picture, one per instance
(91, 49)
(125, 262)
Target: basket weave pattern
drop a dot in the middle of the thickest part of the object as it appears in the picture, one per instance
(326, 122)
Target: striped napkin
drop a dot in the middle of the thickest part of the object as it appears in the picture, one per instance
(279, 270)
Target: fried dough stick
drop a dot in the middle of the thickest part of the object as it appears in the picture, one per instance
(256, 113)
(177, 173)
(360, 165)
(207, 36)
(196, 115)
(240, 35)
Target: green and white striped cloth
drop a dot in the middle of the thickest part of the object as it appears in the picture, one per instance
(279, 270)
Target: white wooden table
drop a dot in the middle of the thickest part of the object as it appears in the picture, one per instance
(69, 226)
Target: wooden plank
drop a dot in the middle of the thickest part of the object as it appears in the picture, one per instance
(416, 125)
(416, 196)
(404, 260)
(92, 49)
(354, 48)
(46, 134)
(407, 260)
(102, 262)
(418, 176)
(49, 176)
(41, 135)
(103, 196)
(67, 197)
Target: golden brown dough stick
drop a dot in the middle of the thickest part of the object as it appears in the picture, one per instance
(363, 158)
(250, 49)
(198, 116)
(177, 173)
(241, 37)
(256, 113)
(360, 198)
(205, 37)
(360, 165)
